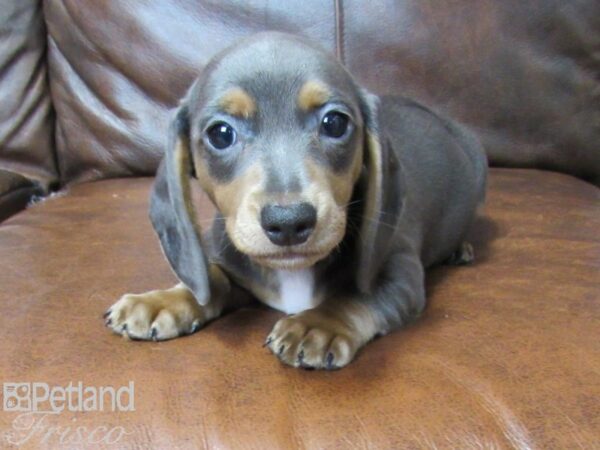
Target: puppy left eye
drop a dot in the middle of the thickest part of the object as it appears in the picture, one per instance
(334, 124)
(221, 135)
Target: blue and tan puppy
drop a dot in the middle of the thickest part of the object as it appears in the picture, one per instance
(331, 202)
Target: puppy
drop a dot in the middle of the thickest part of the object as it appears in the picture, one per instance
(331, 203)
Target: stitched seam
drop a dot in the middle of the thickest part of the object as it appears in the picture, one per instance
(339, 31)
(54, 182)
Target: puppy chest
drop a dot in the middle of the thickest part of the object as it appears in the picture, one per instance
(296, 291)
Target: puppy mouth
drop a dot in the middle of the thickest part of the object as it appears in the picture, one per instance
(289, 259)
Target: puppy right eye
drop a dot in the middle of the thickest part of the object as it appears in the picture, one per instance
(334, 124)
(221, 135)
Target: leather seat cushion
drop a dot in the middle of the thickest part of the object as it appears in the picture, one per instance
(507, 353)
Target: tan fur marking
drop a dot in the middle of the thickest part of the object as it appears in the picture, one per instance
(372, 208)
(182, 164)
(204, 179)
(341, 185)
(261, 292)
(167, 313)
(374, 186)
(238, 102)
(327, 336)
(312, 95)
(341, 316)
(229, 196)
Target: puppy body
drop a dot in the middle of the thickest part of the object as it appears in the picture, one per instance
(281, 136)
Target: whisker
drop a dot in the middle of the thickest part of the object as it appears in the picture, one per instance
(354, 202)
(377, 222)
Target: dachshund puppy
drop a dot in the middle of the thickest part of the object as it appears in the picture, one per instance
(331, 203)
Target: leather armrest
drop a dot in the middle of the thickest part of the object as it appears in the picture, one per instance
(15, 193)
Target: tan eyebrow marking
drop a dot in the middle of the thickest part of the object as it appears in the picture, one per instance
(312, 95)
(238, 102)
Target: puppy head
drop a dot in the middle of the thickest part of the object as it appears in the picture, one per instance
(277, 138)
(278, 134)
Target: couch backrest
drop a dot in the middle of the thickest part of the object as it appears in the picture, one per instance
(523, 75)
(26, 114)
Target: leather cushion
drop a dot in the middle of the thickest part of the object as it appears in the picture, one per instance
(505, 356)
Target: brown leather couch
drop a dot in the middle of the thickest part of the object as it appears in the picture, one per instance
(507, 354)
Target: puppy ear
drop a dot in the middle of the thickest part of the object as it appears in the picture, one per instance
(382, 195)
(172, 213)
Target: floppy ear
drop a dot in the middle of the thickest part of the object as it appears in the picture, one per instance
(172, 213)
(382, 195)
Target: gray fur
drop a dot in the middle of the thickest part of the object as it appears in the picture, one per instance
(434, 174)
(172, 218)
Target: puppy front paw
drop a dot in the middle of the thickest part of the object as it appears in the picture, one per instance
(156, 315)
(311, 340)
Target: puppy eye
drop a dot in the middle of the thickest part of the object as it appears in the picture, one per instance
(221, 135)
(334, 124)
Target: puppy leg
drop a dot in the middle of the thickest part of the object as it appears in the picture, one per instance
(166, 314)
(328, 336)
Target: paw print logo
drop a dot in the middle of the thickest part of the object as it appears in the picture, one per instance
(17, 397)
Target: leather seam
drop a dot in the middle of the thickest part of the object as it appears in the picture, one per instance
(339, 31)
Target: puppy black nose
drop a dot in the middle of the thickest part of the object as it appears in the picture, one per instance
(288, 225)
